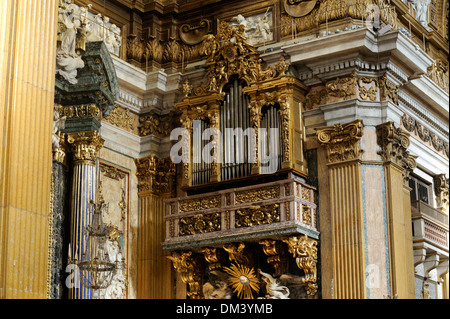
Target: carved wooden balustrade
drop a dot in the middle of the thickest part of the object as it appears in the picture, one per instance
(266, 210)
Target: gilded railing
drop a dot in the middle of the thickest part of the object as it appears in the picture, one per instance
(261, 211)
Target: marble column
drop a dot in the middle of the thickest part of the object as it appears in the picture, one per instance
(27, 84)
(85, 147)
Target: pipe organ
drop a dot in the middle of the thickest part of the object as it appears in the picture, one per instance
(234, 121)
(256, 115)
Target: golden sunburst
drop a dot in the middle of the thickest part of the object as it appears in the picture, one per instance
(243, 280)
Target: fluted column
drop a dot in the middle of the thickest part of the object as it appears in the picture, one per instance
(85, 147)
(156, 178)
(27, 81)
(398, 164)
(342, 144)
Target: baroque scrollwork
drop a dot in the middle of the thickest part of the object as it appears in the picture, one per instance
(190, 268)
(304, 250)
(121, 118)
(258, 194)
(425, 134)
(200, 224)
(341, 141)
(154, 124)
(255, 215)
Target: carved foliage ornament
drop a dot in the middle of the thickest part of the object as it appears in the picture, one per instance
(255, 215)
(200, 224)
(427, 136)
(342, 141)
(189, 266)
(229, 53)
(394, 143)
(304, 250)
(155, 174)
(85, 146)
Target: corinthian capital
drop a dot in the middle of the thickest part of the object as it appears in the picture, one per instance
(394, 143)
(85, 146)
(341, 141)
(155, 174)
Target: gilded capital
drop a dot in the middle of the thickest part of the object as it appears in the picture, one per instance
(342, 141)
(394, 143)
(85, 146)
(155, 174)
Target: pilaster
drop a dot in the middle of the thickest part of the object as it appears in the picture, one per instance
(342, 144)
(398, 164)
(156, 179)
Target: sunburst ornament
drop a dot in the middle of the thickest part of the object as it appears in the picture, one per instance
(243, 280)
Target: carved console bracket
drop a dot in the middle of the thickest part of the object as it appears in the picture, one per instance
(276, 253)
(189, 266)
(304, 250)
(394, 143)
(342, 141)
(441, 191)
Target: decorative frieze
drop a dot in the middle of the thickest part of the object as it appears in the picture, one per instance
(121, 118)
(388, 89)
(258, 194)
(394, 143)
(425, 134)
(342, 141)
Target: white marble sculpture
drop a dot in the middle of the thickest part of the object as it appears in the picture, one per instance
(273, 288)
(71, 38)
(421, 9)
(59, 123)
(258, 28)
(117, 287)
(100, 29)
(220, 290)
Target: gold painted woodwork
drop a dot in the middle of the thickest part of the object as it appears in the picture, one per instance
(342, 144)
(304, 250)
(190, 268)
(398, 165)
(277, 256)
(155, 184)
(215, 257)
(27, 81)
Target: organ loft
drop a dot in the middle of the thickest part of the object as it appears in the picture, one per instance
(184, 149)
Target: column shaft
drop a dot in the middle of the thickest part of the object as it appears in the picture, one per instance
(27, 82)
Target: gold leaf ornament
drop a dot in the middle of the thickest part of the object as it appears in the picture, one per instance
(243, 280)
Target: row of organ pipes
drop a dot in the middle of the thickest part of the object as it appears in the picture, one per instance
(236, 157)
